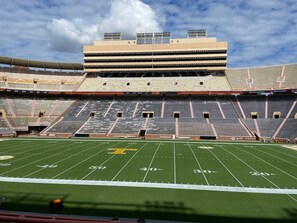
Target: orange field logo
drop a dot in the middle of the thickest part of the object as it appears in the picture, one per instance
(120, 151)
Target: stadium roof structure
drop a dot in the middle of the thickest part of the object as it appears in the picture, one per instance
(41, 64)
(156, 54)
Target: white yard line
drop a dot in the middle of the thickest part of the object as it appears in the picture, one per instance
(99, 165)
(226, 168)
(34, 154)
(148, 169)
(152, 185)
(294, 148)
(276, 157)
(174, 162)
(157, 141)
(10, 151)
(128, 161)
(249, 166)
(256, 171)
(198, 164)
(31, 162)
(277, 150)
(270, 164)
(84, 160)
(64, 158)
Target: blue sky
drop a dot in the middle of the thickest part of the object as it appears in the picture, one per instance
(258, 32)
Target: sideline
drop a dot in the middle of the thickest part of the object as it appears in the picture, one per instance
(150, 185)
(140, 141)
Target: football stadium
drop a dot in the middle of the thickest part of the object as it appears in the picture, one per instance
(151, 129)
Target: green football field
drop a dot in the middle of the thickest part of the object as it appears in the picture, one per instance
(172, 180)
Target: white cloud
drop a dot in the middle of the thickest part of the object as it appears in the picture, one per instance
(130, 17)
(126, 16)
(67, 36)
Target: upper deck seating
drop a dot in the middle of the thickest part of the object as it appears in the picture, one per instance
(290, 76)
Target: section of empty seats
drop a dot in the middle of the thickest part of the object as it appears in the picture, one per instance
(268, 127)
(3, 104)
(228, 127)
(175, 107)
(45, 121)
(96, 125)
(194, 127)
(265, 77)
(59, 106)
(128, 126)
(290, 74)
(158, 114)
(149, 107)
(279, 106)
(228, 107)
(43, 106)
(122, 107)
(47, 86)
(219, 83)
(250, 123)
(2, 84)
(238, 79)
(289, 130)
(93, 107)
(40, 80)
(77, 107)
(21, 106)
(252, 106)
(67, 125)
(105, 107)
(6, 131)
(92, 84)
(160, 84)
(22, 122)
(161, 126)
(68, 87)
(34, 107)
(294, 111)
(25, 86)
(3, 123)
(205, 107)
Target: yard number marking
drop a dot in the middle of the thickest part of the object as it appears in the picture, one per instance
(204, 171)
(50, 166)
(97, 167)
(6, 157)
(5, 164)
(120, 151)
(205, 147)
(261, 174)
(149, 169)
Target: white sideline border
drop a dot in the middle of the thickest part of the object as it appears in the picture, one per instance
(141, 141)
(151, 185)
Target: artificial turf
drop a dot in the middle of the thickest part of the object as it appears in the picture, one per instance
(126, 163)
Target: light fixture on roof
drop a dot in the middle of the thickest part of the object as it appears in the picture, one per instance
(113, 36)
(197, 33)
